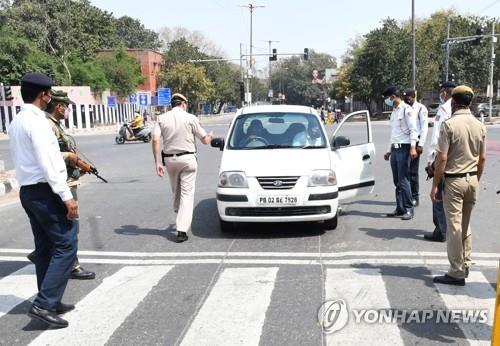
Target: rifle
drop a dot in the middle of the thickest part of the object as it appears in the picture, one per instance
(88, 168)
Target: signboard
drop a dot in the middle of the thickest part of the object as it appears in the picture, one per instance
(154, 100)
(164, 96)
(111, 101)
(132, 98)
(143, 99)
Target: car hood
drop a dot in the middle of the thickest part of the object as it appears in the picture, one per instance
(275, 162)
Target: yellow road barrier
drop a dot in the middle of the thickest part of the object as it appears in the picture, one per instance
(495, 337)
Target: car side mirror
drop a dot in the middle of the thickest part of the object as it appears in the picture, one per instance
(340, 141)
(218, 143)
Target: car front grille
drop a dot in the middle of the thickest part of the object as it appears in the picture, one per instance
(278, 211)
(277, 183)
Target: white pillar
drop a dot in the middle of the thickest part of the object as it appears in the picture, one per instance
(71, 118)
(87, 116)
(79, 116)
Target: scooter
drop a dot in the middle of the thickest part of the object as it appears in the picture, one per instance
(144, 135)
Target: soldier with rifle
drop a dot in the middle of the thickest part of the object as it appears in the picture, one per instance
(57, 110)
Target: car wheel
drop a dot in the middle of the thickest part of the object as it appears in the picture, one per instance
(332, 223)
(226, 226)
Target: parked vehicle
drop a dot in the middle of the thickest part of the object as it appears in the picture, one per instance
(278, 166)
(483, 109)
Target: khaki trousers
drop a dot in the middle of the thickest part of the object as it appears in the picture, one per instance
(182, 173)
(459, 197)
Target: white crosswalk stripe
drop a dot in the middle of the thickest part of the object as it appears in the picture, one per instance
(234, 308)
(98, 315)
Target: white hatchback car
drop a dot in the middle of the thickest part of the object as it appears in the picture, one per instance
(278, 166)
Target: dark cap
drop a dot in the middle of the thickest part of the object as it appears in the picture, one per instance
(61, 96)
(408, 92)
(390, 90)
(37, 79)
(448, 85)
(179, 97)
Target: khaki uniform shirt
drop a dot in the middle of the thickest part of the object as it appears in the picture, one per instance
(462, 137)
(65, 146)
(179, 130)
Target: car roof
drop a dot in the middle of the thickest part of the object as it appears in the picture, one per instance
(276, 109)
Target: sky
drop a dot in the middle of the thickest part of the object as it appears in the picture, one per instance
(323, 25)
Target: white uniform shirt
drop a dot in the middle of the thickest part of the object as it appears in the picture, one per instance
(422, 121)
(443, 113)
(403, 125)
(36, 153)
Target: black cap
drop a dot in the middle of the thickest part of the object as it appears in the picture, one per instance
(390, 90)
(447, 85)
(37, 79)
(409, 92)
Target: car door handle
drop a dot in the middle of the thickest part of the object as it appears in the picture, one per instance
(366, 157)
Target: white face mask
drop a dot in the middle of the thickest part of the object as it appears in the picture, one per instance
(66, 113)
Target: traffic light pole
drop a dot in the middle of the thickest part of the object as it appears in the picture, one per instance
(492, 67)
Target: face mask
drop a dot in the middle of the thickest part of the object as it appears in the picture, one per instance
(441, 99)
(389, 102)
(66, 113)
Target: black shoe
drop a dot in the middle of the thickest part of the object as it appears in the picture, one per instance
(64, 308)
(31, 257)
(407, 216)
(466, 272)
(435, 237)
(448, 280)
(415, 202)
(181, 237)
(47, 316)
(395, 213)
(81, 274)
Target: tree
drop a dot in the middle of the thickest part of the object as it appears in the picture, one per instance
(123, 72)
(132, 34)
(194, 38)
(89, 73)
(190, 81)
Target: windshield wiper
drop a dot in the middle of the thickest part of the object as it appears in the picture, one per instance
(313, 147)
(274, 146)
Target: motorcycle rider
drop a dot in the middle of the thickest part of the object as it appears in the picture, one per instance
(136, 125)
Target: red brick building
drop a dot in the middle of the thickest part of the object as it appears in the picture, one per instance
(151, 63)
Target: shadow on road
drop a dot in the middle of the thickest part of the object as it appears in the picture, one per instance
(390, 234)
(134, 230)
(369, 202)
(206, 225)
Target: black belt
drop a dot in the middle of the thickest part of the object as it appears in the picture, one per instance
(459, 175)
(400, 145)
(179, 154)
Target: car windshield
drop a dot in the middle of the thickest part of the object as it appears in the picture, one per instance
(277, 130)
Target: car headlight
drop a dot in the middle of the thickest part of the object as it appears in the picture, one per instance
(233, 179)
(324, 177)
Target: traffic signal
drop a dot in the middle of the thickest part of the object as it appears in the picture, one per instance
(275, 55)
(8, 94)
(306, 53)
(477, 41)
(242, 91)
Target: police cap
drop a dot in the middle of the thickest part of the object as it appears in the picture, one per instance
(447, 85)
(178, 96)
(391, 90)
(61, 96)
(462, 90)
(38, 80)
(409, 92)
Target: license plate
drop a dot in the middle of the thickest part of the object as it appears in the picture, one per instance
(277, 200)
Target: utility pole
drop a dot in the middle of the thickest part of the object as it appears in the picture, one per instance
(447, 61)
(492, 67)
(413, 62)
(251, 7)
(270, 62)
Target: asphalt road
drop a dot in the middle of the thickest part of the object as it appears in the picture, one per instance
(262, 284)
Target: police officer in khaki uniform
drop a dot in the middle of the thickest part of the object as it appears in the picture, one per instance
(179, 130)
(460, 159)
(57, 110)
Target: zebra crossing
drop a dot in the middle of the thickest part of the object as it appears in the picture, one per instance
(253, 303)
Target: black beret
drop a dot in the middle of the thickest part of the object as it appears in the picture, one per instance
(390, 90)
(37, 79)
(448, 84)
(409, 92)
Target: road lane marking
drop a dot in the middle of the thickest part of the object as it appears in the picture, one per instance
(360, 289)
(104, 309)
(235, 310)
(17, 288)
(477, 294)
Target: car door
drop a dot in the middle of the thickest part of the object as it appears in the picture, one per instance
(352, 155)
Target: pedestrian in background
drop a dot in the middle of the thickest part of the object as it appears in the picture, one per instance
(421, 112)
(460, 161)
(443, 113)
(179, 131)
(402, 149)
(46, 199)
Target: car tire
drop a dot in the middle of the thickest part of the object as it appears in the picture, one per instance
(332, 223)
(226, 226)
